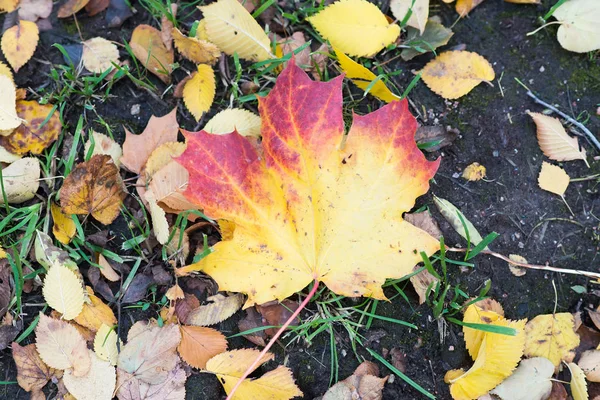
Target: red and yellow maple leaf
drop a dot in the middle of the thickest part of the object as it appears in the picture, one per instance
(314, 203)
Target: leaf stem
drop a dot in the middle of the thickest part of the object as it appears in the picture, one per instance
(253, 366)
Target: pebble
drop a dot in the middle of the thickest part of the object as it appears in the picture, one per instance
(135, 109)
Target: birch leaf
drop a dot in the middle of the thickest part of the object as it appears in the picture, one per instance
(105, 344)
(148, 47)
(435, 35)
(246, 123)
(551, 336)
(199, 91)
(463, 7)
(63, 226)
(578, 384)
(98, 384)
(553, 178)
(63, 292)
(99, 55)
(554, 141)
(195, 50)
(199, 344)
(19, 43)
(95, 313)
(534, 374)
(21, 180)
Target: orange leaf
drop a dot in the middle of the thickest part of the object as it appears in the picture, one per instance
(198, 345)
(148, 47)
(94, 187)
(19, 43)
(71, 7)
(94, 7)
(95, 313)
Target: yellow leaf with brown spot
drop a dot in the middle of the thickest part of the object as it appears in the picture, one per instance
(8, 5)
(553, 178)
(63, 226)
(199, 344)
(148, 47)
(196, 50)
(474, 337)
(455, 73)
(32, 373)
(94, 187)
(474, 172)
(95, 313)
(9, 120)
(19, 43)
(33, 136)
(71, 7)
(99, 55)
(199, 91)
(552, 336)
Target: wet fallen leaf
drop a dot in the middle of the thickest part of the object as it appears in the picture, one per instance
(9, 120)
(196, 50)
(551, 336)
(136, 291)
(98, 384)
(199, 91)
(245, 122)
(250, 322)
(514, 269)
(63, 292)
(534, 374)
(474, 172)
(363, 78)
(94, 7)
(105, 344)
(131, 388)
(422, 283)
(578, 384)
(579, 30)
(107, 270)
(554, 140)
(32, 10)
(355, 27)
(364, 383)
(71, 7)
(231, 365)
(435, 35)
(19, 43)
(63, 226)
(61, 346)
(275, 313)
(299, 173)
(553, 178)
(99, 55)
(103, 145)
(21, 180)
(419, 12)
(453, 74)
(220, 308)
(148, 47)
(455, 217)
(94, 187)
(95, 313)
(138, 148)
(198, 345)
(433, 138)
(234, 30)
(32, 373)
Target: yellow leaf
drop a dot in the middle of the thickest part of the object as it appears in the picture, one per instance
(148, 47)
(553, 179)
(71, 7)
(104, 145)
(107, 270)
(163, 155)
(497, 358)
(4, 70)
(455, 73)
(198, 345)
(515, 269)
(61, 346)
(99, 55)
(231, 27)
(524, 1)
(21, 180)
(201, 30)
(579, 30)
(199, 91)
(277, 384)
(196, 50)
(2, 253)
(63, 292)
(63, 226)
(95, 313)
(19, 43)
(221, 308)
(355, 27)
(474, 172)
(474, 337)
(363, 78)
(463, 7)
(160, 225)
(420, 12)
(105, 344)
(8, 5)
(554, 140)
(578, 384)
(9, 120)
(246, 123)
(551, 336)
(98, 384)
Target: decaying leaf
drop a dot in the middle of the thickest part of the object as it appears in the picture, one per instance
(95, 313)
(419, 12)
(32, 373)
(199, 344)
(589, 362)
(138, 148)
(579, 30)
(554, 140)
(99, 55)
(455, 73)
(63, 227)
(148, 47)
(305, 181)
(94, 7)
(234, 30)
(551, 336)
(63, 292)
(455, 217)
(32, 10)
(168, 185)
(172, 388)
(71, 7)
(19, 43)
(196, 50)
(364, 383)
(231, 365)
(533, 374)
(422, 282)
(514, 269)
(61, 346)
(21, 180)
(434, 36)
(425, 221)
(474, 172)
(94, 187)
(199, 91)
(245, 122)
(578, 384)
(48, 255)
(221, 308)
(105, 344)
(98, 384)
(355, 27)
(5, 286)
(553, 179)
(291, 44)
(103, 145)
(160, 225)
(363, 78)
(9, 120)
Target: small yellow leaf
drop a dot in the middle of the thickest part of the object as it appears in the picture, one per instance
(363, 78)
(105, 344)
(463, 7)
(246, 123)
(9, 120)
(515, 269)
(221, 308)
(196, 50)
(578, 384)
(19, 43)
(455, 73)
(8, 5)
(63, 226)
(355, 27)
(63, 292)
(199, 344)
(231, 27)
(98, 384)
(276, 384)
(99, 55)
(474, 172)
(579, 30)
(551, 336)
(199, 91)
(2, 253)
(71, 7)
(420, 12)
(104, 145)
(4, 70)
(553, 179)
(554, 140)
(95, 313)
(201, 30)
(148, 47)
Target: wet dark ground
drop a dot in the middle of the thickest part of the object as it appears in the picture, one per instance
(494, 131)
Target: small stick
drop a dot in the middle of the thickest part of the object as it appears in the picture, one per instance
(274, 339)
(592, 275)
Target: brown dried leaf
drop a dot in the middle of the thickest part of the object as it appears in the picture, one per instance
(5, 292)
(253, 320)
(32, 372)
(131, 388)
(220, 309)
(276, 314)
(432, 134)
(421, 283)
(424, 220)
(96, 6)
(71, 7)
(148, 47)
(196, 50)
(185, 306)
(360, 385)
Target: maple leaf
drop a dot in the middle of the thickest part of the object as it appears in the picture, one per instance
(296, 209)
